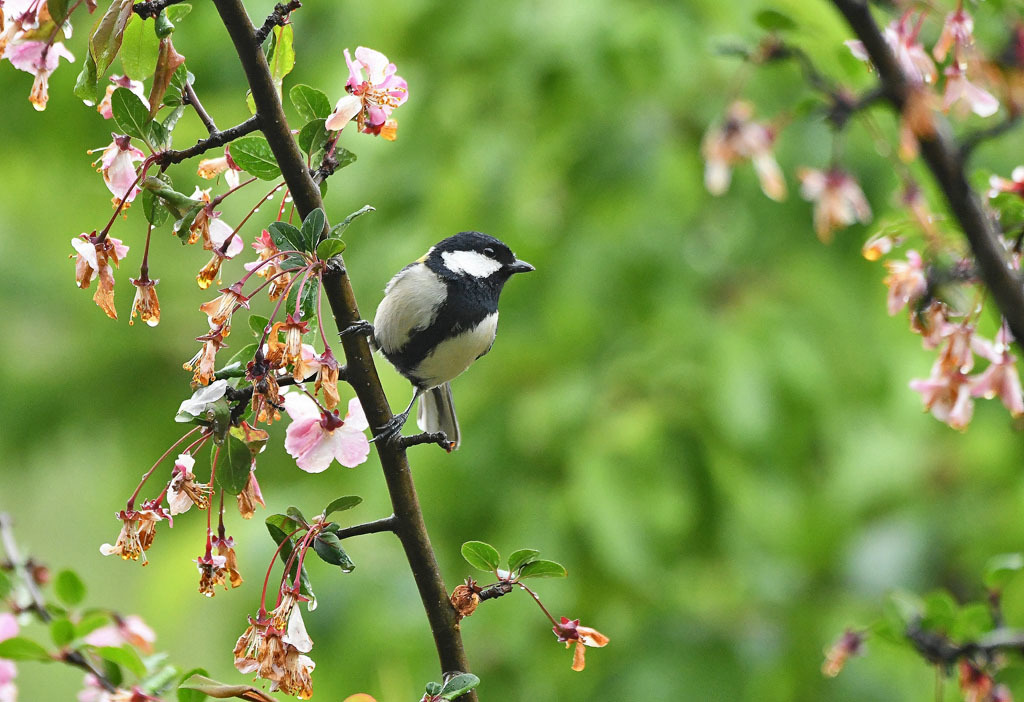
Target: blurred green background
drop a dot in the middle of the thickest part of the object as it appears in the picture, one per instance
(695, 406)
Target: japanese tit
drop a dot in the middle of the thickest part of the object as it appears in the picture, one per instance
(438, 315)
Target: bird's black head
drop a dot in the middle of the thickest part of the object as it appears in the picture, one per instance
(474, 255)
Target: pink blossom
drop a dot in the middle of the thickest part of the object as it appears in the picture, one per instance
(901, 36)
(947, 391)
(40, 59)
(736, 140)
(956, 30)
(906, 281)
(374, 91)
(8, 671)
(981, 102)
(117, 164)
(125, 630)
(838, 200)
(1001, 378)
(136, 86)
(314, 438)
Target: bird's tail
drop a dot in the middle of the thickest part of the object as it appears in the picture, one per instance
(436, 412)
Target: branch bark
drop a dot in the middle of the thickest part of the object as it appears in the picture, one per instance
(216, 139)
(362, 374)
(945, 159)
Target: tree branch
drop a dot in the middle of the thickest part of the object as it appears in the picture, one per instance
(374, 527)
(277, 18)
(170, 157)
(192, 99)
(362, 374)
(152, 8)
(945, 159)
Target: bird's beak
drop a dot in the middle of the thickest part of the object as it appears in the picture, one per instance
(518, 266)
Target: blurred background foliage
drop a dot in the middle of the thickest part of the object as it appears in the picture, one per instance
(695, 406)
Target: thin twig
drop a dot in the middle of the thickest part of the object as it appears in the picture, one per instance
(374, 527)
(277, 18)
(192, 99)
(168, 158)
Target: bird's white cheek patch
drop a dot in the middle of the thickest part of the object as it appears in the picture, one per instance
(471, 263)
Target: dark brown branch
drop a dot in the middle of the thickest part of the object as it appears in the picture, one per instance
(192, 99)
(38, 605)
(168, 158)
(436, 437)
(939, 649)
(277, 18)
(945, 160)
(362, 374)
(152, 8)
(496, 590)
(374, 527)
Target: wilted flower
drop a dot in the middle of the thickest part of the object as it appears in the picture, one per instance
(956, 30)
(374, 91)
(212, 570)
(183, 491)
(736, 140)
(137, 532)
(267, 250)
(850, 644)
(219, 310)
(117, 164)
(226, 549)
(571, 632)
(838, 200)
(981, 102)
(947, 391)
(136, 86)
(40, 58)
(275, 647)
(249, 497)
(146, 304)
(210, 168)
(205, 360)
(1001, 378)
(314, 438)
(906, 281)
(327, 379)
(8, 671)
(465, 599)
(290, 352)
(93, 257)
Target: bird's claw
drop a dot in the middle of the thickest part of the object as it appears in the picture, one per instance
(391, 430)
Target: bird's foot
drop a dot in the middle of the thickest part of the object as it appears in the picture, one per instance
(392, 430)
(360, 327)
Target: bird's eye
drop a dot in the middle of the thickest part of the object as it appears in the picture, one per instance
(489, 252)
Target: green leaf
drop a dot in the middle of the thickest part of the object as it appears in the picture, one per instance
(433, 689)
(171, 120)
(176, 13)
(58, 10)
(543, 569)
(339, 229)
(328, 248)
(774, 21)
(233, 465)
(521, 557)
(139, 48)
(187, 694)
(313, 139)
(62, 632)
(1000, 569)
(281, 55)
(69, 588)
(283, 523)
(19, 648)
(328, 547)
(91, 623)
(220, 691)
(286, 237)
(87, 84)
(459, 685)
(178, 204)
(123, 655)
(108, 33)
(242, 357)
(130, 114)
(257, 323)
(341, 504)
(309, 102)
(344, 157)
(158, 136)
(252, 154)
(481, 556)
(312, 228)
(296, 514)
(179, 79)
(153, 208)
(307, 305)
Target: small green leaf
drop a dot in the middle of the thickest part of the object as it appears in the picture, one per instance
(341, 504)
(283, 523)
(187, 694)
(62, 632)
(481, 556)
(543, 569)
(309, 102)
(258, 323)
(252, 154)
(58, 10)
(123, 655)
(158, 136)
(774, 21)
(286, 237)
(87, 84)
(19, 648)
(296, 514)
(433, 689)
(281, 55)
(233, 465)
(242, 358)
(339, 229)
(69, 588)
(107, 34)
(307, 305)
(313, 139)
(328, 547)
(1000, 569)
(153, 208)
(222, 691)
(459, 685)
(176, 13)
(171, 120)
(521, 557)
(312, 228)
(130, 114)
(140, 48)
(91, 623)
(329, 248)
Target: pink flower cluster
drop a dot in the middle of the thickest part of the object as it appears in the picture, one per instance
(30, 46)
(374, 90)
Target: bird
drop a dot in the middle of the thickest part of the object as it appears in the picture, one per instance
(439, 314)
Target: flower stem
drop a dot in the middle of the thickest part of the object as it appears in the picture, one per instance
(270, 569)
(540, 604)
(227, 241)
(131, 500)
